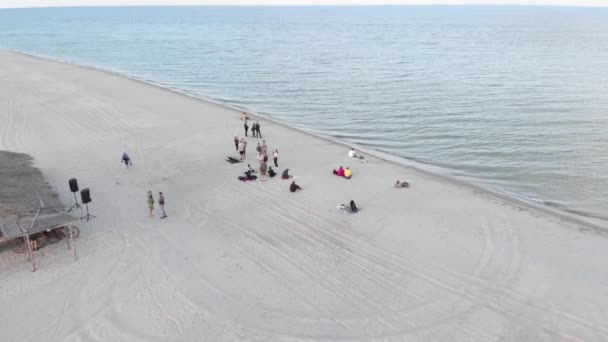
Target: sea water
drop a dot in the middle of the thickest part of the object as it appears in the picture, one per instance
(512, 98)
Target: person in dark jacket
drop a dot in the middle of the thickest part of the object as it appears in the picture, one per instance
(126, 159)
(353, 207)
(285, 174)
(236, 143)
(161, 204)
(257, 129)
(246, 127)
(295, 187)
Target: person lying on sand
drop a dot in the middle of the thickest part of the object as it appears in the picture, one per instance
(403, 184)
(293, 187)
(353, 154)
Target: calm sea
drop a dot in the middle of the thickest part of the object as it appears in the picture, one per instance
(513, 98)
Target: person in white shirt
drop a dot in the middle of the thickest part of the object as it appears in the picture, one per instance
(352, 153)
(275, 154)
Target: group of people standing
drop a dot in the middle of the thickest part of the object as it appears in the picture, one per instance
(262, 150)
(161, 204)
(241, 147)
(255, 129)
(263, 154)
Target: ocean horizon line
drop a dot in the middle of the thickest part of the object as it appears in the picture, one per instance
(602, 6)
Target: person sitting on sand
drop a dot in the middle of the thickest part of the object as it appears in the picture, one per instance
(126, 159)
(352, 153)
(285, 174)
(271, 172)
(403, 184)
(340, 172)
(348, 173)
(294, 187)
(249, 174)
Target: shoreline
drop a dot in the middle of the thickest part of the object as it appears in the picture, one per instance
(418, 166)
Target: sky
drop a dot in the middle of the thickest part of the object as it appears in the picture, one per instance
(49, 3)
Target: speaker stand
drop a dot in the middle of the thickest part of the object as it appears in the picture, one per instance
(76, 205)
(88, 216)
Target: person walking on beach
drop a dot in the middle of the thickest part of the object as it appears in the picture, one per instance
(246, 127)
(126, 160)
(151, 203)
(236, 143)
(275, 154)
(254, 129)
(161, 203)
(257, 129)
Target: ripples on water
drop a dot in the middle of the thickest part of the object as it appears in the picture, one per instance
(515, 98)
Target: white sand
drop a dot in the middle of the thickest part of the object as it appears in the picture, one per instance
(252, 261)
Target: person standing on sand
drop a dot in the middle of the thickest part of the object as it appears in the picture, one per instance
(151, 203)
(264, 148)
(263, 169)
(241, 149)
(161, 203)
(236, 143)
(257, 129)
(126, 159)
(275, 154)
(246, 127)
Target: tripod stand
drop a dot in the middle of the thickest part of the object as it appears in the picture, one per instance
(76, 205)
(88, 216)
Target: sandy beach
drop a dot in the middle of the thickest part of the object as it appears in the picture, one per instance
(235, 260)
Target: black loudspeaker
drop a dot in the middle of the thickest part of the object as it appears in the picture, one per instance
(85, 195)
(73, 185)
